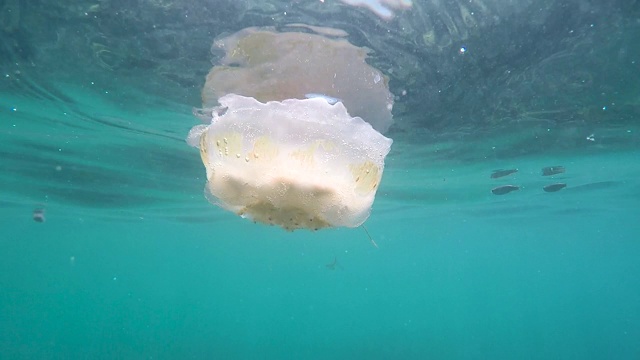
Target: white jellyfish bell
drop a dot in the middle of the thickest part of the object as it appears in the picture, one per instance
(298, 163)
(294, 163)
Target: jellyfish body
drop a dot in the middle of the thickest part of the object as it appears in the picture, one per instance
(294, 138)
(297, 163)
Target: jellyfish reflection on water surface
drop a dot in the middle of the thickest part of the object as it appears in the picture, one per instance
(277, 156)
(269, 65)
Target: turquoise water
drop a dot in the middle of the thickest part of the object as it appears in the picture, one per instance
(132, 262)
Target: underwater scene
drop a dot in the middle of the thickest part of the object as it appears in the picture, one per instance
(320, 179)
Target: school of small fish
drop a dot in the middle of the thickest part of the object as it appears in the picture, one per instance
(546, 171)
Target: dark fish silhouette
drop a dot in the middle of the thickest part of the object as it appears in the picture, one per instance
(38, 215)
(552, 170)
(504, 189)
(554, 187)
(501, 173)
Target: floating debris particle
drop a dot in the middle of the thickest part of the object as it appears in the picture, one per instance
(505, 189)
(333, 265)
(552, 170)
(38, 215)
(502, 173)
(554, 187)
(369, 236)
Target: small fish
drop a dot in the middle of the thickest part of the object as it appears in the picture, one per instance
(504, 189)
(554, 187)
(38, 215)
(552, 170)
(329, 99)
(502, 173)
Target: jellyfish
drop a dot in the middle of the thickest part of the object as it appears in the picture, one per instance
(294, 134)
(297, 163)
